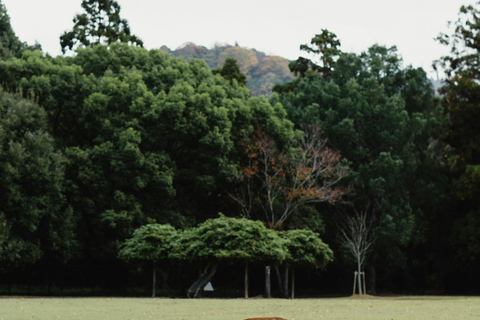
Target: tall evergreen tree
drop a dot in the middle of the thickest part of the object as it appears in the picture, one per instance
(100, 24)
(231, 71)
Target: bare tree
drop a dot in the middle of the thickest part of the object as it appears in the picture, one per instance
(358, 233)
(276, 183)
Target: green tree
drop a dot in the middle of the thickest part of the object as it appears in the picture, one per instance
(150, 243)
(10, 45)
(230, 71)
(9, 42)
(228, 240)
(35, 220)
(304, 249)
(100, 24)
(461, 101)
(382, 119)
(325, 47)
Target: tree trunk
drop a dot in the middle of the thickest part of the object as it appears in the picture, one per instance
(360, 290)
(246, 280)
(285, 281)
(154, 280)
(203, 279)
(279, 281)
(293, 283)
(268, 293)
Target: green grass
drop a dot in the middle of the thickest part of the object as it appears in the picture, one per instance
(216, 309)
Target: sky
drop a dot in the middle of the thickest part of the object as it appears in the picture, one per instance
(276, 27)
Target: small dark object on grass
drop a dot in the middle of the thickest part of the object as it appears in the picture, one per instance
(266, 318)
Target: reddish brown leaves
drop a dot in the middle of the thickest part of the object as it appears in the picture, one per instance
(276, 182)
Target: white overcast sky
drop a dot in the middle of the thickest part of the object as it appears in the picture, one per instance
(277, 27)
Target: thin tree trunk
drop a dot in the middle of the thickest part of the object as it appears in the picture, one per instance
(293, 283)
(268, 293)
(246, 280)
(154, 281)
(360, 291)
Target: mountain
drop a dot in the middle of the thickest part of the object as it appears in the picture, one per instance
(262, 71)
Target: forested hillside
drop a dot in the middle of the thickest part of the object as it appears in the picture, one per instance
(118, 163)
(262, 71)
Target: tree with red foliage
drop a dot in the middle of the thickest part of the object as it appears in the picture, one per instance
(275, 183)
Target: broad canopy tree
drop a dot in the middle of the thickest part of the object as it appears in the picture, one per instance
(225, 240)
(304, 249)
(151, 243)
(229, 240)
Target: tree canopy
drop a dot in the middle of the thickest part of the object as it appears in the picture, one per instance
(462, 103)
(100, 24)
(36, 220)
(146, 135)
(381, 118)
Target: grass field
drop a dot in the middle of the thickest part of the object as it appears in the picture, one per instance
(215, 309)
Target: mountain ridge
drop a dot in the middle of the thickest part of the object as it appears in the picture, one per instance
(263, 71)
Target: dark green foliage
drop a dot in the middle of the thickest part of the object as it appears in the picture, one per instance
(151, 242)
(101, 150)
(10, 45)
(230, 71)
(35, 221)
(100, 24)
(462, 103)
(228, 240)
(462, 91)
(146, 135)
(306, 249)
(232, 240)
(382, 119)
(325, 46)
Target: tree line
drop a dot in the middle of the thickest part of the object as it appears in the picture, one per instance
(118, 153)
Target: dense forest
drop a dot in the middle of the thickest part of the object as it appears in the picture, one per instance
(224, 165)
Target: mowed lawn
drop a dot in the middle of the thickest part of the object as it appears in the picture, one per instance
(215, 309)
